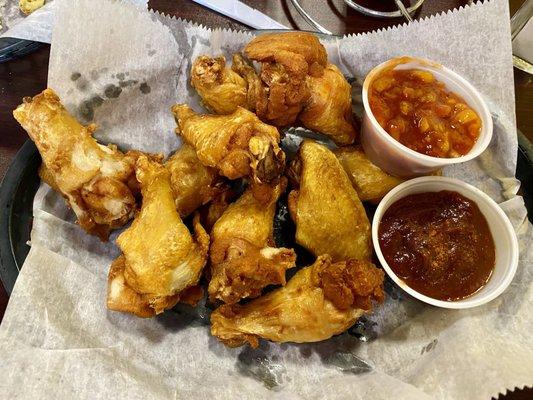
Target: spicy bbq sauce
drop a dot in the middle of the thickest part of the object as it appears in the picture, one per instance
(439, 243)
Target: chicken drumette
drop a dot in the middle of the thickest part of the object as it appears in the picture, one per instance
(222, 90)
(329, 107)
(97, 181)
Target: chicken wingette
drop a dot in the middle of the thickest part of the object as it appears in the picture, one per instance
(329, 217)
(237, 145)
(243, 257)
(161, 258)
(319, 301)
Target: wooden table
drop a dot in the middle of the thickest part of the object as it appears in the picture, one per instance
(27, 76)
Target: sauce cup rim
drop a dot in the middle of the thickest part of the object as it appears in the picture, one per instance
(475, 299)
(483, 112)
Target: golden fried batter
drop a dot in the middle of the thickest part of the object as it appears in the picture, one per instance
(329, 107)
(121, 297)
(304, 46)
(97, 181)
(192, 183)
(256, 91)
(29, 6)
(369, 181)
(238, 145)
(212, 212)
(329, 216)
(318, 302)
(243, 260)
(221, 89)
(161, 257)
(287, 59)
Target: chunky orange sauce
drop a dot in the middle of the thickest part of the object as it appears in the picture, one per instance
(439, 243)
(418, 111)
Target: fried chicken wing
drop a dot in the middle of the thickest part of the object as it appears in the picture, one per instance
(287, 59)
(320, 301)
(281, 47)
(243, 259)
(329, 107)
(193, 184)
(256, 91)
(212, 212)
(160, 256)
(97, 181)
(222, 90)
(369, 181)
(329, 217)
(238, 145)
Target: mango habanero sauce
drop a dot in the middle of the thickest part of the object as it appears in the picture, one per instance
(438, 243)
(418, 111)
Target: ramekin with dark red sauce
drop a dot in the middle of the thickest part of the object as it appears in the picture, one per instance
(445, 242)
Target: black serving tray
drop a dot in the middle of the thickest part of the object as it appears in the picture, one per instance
(11, 48)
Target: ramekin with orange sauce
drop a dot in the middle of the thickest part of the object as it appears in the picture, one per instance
(421, 116)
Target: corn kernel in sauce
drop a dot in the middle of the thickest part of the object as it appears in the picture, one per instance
(418, 111)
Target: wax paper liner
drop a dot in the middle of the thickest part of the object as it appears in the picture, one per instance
(124, 70)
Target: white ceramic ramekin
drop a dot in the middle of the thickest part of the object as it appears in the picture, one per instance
(505, 241)
(397, 159)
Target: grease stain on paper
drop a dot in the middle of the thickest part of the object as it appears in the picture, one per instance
(429, 347)
(112, 91)
(144, 88)
(348, 363)
(256, 364)
(87, 107)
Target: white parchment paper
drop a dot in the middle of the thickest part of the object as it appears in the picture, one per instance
(38, 25)
(123, 70)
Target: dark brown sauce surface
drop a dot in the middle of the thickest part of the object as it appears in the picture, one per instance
(439, 243)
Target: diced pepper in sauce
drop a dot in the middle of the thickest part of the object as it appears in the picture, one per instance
(418, 111)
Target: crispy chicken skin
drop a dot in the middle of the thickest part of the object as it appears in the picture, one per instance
(282, 47)
(212, 212)
(369, 181)
(121, 297)
(160, 256)
(243, 259)
(238, 145)
(256, 91)
(287, 59)
(192, 183)
(320, 301)
(329, 217)
(97, 181)
(221, 89)
(329, 107)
